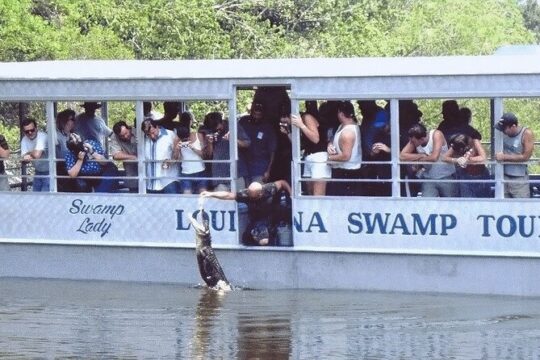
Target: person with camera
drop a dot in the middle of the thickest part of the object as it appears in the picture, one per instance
(218, 149)
(313, 137)
(86, 162)
(259, 157)
(191, 146)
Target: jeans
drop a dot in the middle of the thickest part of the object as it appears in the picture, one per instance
(41, 182)
(440, 188)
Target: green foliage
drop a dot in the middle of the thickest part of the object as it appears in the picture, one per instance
(195, 29)
(459, 27)
(531, 16)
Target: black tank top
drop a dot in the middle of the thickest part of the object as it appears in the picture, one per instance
(310, 147)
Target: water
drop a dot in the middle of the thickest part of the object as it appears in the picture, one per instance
(66, 319)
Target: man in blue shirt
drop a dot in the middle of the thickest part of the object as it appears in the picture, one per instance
(259, 156)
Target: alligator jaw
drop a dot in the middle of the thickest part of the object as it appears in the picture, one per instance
(200, 228)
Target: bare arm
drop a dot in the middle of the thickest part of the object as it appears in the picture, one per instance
(449, 156)
(438, 142)
(222, 195)
(201, 140)
(480, 156)
(74, 171)
(308, 125)
(408, 153)
(4, 153)
(528, 147)
(283, 185)
(346, 143)
(32, 154)
(176, 148)
(122, 155)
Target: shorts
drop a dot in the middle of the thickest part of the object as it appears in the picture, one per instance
(316, 167)
(519, 189)
(188, 182)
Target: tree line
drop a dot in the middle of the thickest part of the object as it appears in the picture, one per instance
(215, 29)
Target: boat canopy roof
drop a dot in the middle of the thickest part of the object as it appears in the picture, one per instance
(322, 78)
(269, 68)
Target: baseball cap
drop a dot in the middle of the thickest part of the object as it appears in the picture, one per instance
(508, 119)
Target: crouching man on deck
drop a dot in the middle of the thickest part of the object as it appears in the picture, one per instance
(263, 203)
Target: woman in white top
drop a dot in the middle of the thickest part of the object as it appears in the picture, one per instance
(192, 145)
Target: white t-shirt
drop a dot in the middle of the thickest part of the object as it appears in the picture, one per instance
(38, 143)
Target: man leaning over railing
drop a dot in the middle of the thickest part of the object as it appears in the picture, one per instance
(518, 142)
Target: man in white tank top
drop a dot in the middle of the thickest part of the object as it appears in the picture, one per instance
(518, 144)
(345, 151)
(430, 147)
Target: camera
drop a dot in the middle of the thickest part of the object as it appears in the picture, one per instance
(184, 144)
(285, 126)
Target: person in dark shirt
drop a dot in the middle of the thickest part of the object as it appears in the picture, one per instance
(258, 158)
(464, 124)
(171, 110)
(450, 114)
(263, 203)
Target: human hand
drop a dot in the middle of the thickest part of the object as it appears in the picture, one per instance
(88, 148)
(205, 194)
(81, 155)
(331, 149)
(462, 161)
(297, 121)
(378, 147)
(27, 157)
(499, 156)
(226, 135)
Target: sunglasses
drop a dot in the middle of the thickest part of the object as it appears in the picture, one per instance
(30, 131)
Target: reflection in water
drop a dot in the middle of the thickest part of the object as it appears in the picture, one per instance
(206, 316)
(68, 319)
(263, 336)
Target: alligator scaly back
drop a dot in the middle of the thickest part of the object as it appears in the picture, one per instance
(209, 266)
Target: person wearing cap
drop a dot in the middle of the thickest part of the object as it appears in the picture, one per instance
(518, 145)
(428, 148)
(345, 152)
(256, 160)
(90, 126)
